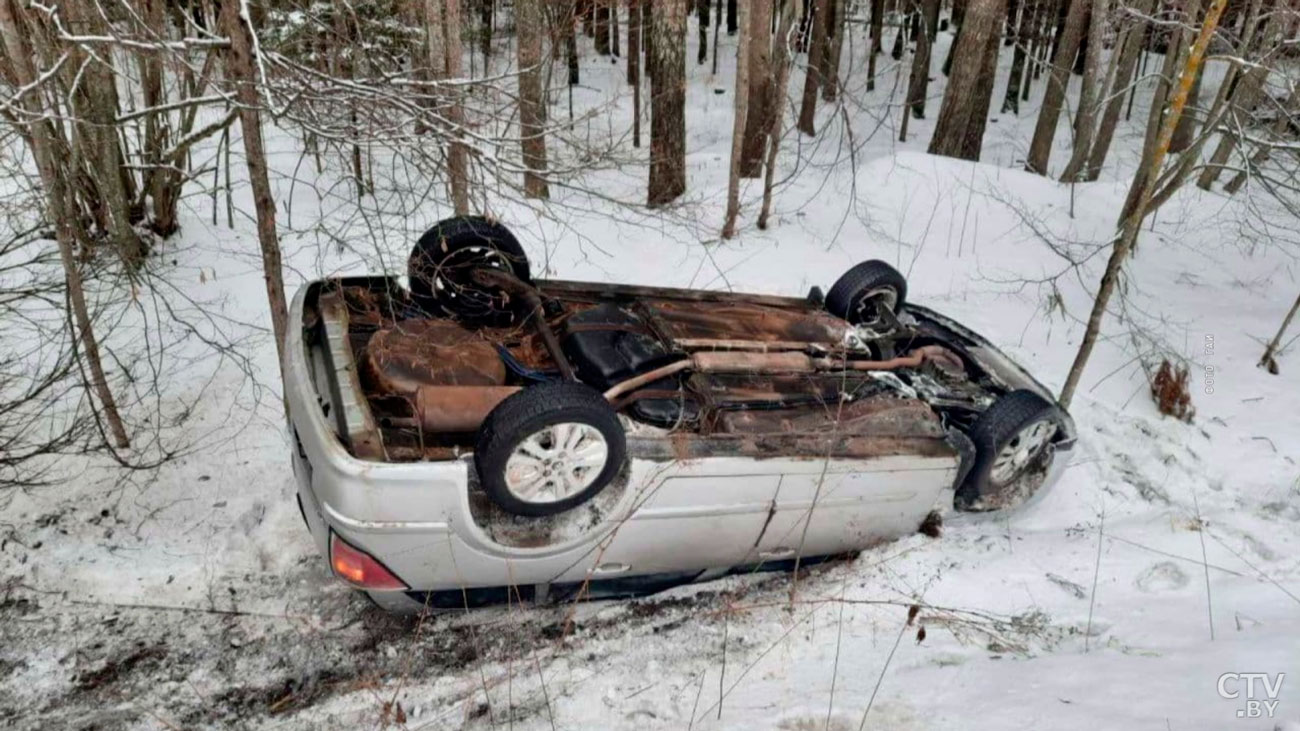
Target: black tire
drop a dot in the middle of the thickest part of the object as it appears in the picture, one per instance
(1015, 416)
(531, 413)
(861, 291)
(442, 263)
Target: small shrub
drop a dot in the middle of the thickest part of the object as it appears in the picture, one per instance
(1169, 391)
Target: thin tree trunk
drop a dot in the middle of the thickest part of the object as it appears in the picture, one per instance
(1024, 28)
(759, 89)
(240, 65)
(877, 41)
(816, 55)
(959, 129)
(702, 10)
(668, 103)
(485, 29)
(648, 38)
(781, 69)
(1131, 223)
(740, 124)
(602, 27)
(1040, 147)
(1085, 125)
(1129, 45)
(40, 135)
(571, 41)
(532, 106)
(834, 48)
(457, 163)
(1269, 360)
(918, 83)
(731, 18)
(634, 65)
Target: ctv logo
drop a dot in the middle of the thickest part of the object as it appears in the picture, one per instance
(1260, 690)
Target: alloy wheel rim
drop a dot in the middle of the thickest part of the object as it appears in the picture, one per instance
(1021, 451)
(556, 462)
(873, 303)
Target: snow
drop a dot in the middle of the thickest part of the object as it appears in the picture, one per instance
(1168, 554)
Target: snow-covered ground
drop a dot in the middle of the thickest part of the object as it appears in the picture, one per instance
(1168, 554)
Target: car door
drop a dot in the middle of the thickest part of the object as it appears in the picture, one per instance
(832, 506)
(697, 515)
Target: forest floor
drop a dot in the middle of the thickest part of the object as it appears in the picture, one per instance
(1169, 553)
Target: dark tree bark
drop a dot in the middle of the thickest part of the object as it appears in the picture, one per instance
(834, 46)
(959, 129)
(1024, 29)
(485, 27)
(762, 94)
(532, 103)
(634, 65)
(569, 29)
(1040, 148)
(731, 18)
(648, 37)
(918, 83)
(668, 103)
(877, 40)
(602, 27)
(702, 10)
(816, 54)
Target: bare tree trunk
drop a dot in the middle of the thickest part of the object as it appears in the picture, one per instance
(918, 83)
(532, 105)
(816, 56)
(702, 10)
(834, 48)
(634, 65)
(1131, 222)
(571, 42)
(1269, 360)
(790, 10)
(1085, 125)
(668, 103)
(760, 90)
(602, 27)
(239, 66)
(740, 123)
(1128, 46)
(648, 38)
(1040, 147)
(40, 135)
(457, 164)
(731, 18)
(1023, 33)
(485, 29)
(959, 129)
(877, 40)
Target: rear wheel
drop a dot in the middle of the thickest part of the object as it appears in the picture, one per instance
(442, 265)
(864, 294)
(1013, 450)
(549, 448)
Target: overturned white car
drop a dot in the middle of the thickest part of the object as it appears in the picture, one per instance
(484, 437)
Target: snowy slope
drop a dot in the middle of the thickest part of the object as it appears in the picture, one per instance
(1168, 554)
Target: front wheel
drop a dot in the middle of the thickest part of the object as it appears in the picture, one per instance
(867, 294)
(549, 448)
(1013, 451)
